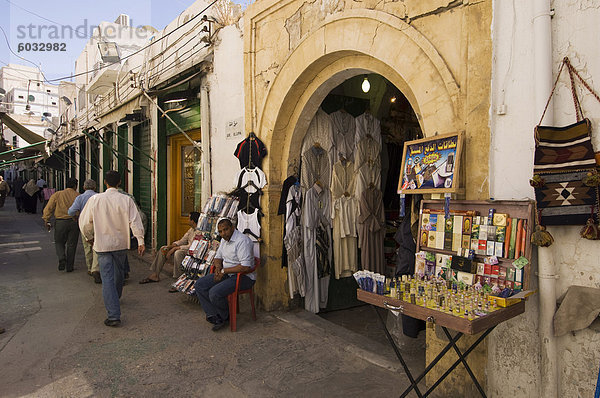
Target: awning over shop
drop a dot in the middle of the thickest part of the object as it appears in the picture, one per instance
(54, 161)
(30, 152)
(20, 130)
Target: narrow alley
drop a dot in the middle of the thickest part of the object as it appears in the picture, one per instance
(56, 344)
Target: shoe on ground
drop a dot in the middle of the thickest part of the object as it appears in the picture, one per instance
(97, 278)
(61, 268)
(218, 326)
(70, 270)
(112, 322)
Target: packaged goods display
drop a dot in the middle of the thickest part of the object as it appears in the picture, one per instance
(203, 248)
(469, 263)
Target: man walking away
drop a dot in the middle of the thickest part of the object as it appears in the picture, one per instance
(4, 191)
(106, 220)
(91, 259)
(66, 233)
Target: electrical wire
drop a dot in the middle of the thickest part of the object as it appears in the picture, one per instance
(136, 52)
(40, 16)
(24, 59)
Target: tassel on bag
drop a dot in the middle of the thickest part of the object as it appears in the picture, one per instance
(537, 181)
(591, 179)
(541, 237)
(590, 230)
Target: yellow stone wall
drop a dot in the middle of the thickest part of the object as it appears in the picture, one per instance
(437, 52)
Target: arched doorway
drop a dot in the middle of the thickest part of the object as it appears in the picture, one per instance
(351, 157)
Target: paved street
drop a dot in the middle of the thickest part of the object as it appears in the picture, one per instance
(56, 344)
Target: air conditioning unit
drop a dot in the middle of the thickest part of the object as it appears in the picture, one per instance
(123, 19)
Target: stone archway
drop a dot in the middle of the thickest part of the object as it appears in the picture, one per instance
(279, 108)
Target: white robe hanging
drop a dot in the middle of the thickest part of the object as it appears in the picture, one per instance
(345, 216)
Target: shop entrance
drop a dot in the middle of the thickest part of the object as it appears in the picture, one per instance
(184, 182)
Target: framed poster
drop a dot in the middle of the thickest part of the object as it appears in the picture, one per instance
(431, 165)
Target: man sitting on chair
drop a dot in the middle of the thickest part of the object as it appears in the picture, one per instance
(178, 250)
(235, 255)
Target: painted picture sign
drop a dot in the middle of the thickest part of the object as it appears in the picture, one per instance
(431, 165)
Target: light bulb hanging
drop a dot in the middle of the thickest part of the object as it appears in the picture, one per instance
(366, 86)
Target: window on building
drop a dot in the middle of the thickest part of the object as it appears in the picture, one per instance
(15, 142)
(21, 97)
(31, 98)
(54, 103)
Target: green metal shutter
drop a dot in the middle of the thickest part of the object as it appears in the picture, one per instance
(142, 178)
(122, 138)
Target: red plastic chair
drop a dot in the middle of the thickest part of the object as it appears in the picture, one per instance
(234, 298)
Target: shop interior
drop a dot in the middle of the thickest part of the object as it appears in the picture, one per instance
(371, 94)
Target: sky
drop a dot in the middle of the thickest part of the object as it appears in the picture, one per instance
(30, 23)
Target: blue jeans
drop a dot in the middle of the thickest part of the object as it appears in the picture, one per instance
(213, 295)
(112, 270)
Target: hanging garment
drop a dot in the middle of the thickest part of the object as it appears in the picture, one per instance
(296, 267)
(247, 202)
(367, 175)
(315, 168)
(281, 210)
(368, 125)
(371, 230)
(291, 180)
(248, 225)
(344, 132)
(368, 150)
(250, 179)
(315, 213)
(250, 152)
(293, 206)
(319, 132)
(345, 216)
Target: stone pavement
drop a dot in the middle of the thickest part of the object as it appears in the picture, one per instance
(56, 344)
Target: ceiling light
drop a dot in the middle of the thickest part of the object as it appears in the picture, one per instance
(393, 100)
(366, 86)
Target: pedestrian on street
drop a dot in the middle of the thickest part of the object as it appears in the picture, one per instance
(91, 259)
(18, 192)
(66, 233)
(106, 220)
(30, 197)
(4, 191)
(235, 254)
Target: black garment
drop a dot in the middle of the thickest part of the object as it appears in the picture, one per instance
(291, 180)
(18, 193)
(405, 262)
(30, 202)
(405, 265)
(248, 201)
(66, 235)
(250, 152)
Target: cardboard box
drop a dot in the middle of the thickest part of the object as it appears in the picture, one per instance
(505, 302)
(463, 264)
(490, 248)
(480, 269)
(466, 277)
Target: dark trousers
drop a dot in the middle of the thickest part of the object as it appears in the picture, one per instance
(66, 237)
(213, 295)
(2, 198)
(19, 201)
